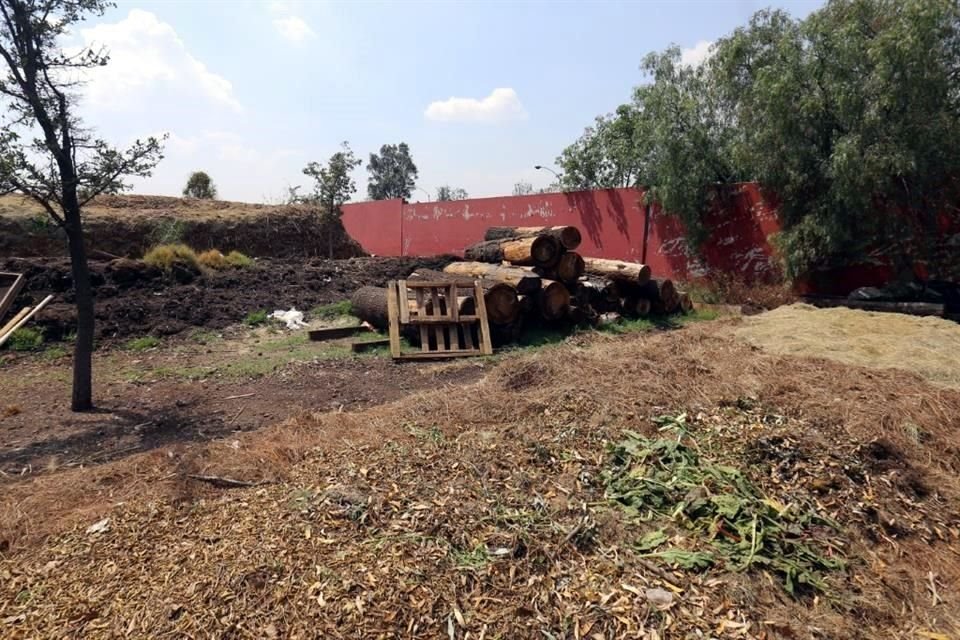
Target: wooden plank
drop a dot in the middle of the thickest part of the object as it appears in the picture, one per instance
(361, 347)
(394, 316)
(486, 346)
(442, 320)
(430, 284)
(335, 333)
(422, 319)
(468, 342)
(13, 289)
(458, 353)
(404, 303)
(14, 320)
(25, 319)
(453, 309)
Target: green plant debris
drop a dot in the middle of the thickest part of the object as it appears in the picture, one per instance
(333, 310)
(255, 318)
(142, 343)
(722, 518)
(25, 339)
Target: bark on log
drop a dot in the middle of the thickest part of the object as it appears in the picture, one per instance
(618, 270)
(553, 300)
(537, 251)
(686, 304)
(370, 304)
(636, 307)
(569, 268)
(525, 281)
(662, 293)
(568, 236)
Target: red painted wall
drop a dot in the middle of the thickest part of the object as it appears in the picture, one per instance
(611, 220)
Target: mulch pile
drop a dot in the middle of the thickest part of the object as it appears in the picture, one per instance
(484, 511)
(138, 302)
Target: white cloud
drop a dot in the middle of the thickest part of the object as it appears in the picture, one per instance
(697, 54)
(502, 105)
(293, 28)
(148, 55)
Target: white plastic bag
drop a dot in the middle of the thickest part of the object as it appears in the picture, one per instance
(292, 318)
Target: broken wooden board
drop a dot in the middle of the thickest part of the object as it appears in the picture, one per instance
(369, 345)
(335, 333)
(444, 332)
(10, 286)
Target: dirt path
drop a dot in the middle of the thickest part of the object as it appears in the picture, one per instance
(188, 390)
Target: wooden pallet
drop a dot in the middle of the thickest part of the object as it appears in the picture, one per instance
(434, 314)
(10, 285)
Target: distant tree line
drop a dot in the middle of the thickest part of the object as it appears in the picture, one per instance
(850, 116)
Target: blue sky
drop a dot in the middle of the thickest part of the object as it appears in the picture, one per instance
(252, 91)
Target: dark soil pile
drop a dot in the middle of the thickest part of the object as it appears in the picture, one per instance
(134, 300)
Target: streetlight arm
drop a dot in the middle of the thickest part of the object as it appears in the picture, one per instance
(540, 167)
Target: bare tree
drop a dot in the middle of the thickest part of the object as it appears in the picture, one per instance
(45, 152)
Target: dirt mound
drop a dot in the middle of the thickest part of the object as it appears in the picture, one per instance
(926, 346)
(487, 511)
(135, 301)
(129, 225)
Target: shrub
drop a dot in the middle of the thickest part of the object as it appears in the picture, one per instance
(255, 318)
(143, 343)
(239, 260)
(213, 259)
(164, 256)
(25, 339)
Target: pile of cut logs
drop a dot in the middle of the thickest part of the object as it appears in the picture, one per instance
(533, 276)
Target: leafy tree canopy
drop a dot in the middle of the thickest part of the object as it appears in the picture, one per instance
(850, 117)
(392, 173)
(333, 185)
(200, 185)
(447, 193)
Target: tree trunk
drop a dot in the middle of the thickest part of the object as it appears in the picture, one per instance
(553, 300)
(537, 251)
(82, 399)
(568, 269)
(568, 236)
(618, 270)
(370, 304)
(525, 281)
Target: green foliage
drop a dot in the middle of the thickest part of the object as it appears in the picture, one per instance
(255, 318)
(142, 344)
(446, 193)
(200, 185)
(167, 231)
(851, 117)
(392, 172)
(239, 260)
(727, 520)
(333, 185)
(333, 310)
(25, 339)
(165, 256)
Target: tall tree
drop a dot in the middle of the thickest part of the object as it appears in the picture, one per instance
(392, 172)
(333, 187)
(522, 189)
(200, 185)
(45, 152)
(446, 193)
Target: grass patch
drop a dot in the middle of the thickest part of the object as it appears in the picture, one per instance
(165, 256)
(142, 344)
(333, 310)
(715, 514)
(238, 260)
(25, 339)
(256, 318)
(475, 558)
(203, 336)
(55, 353)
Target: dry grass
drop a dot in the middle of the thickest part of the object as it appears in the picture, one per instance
(166, 255)
(213, 259)
(480, 510)
(727, 288)
(926, 346)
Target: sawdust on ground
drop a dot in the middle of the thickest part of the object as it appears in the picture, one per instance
(926, 346)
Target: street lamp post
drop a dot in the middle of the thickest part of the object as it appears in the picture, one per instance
(425, 192)
(540, 167)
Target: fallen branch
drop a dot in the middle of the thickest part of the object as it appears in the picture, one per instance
(227, 483)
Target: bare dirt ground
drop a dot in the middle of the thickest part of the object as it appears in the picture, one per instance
(488, 502)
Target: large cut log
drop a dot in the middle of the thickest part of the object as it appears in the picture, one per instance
(568, 236)
(569, 268)
(525, 281)
(911, 308)
(618, 270)
(538, 251)
(370, 304)
(636, 307)
(661, 293)
(553, 301)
